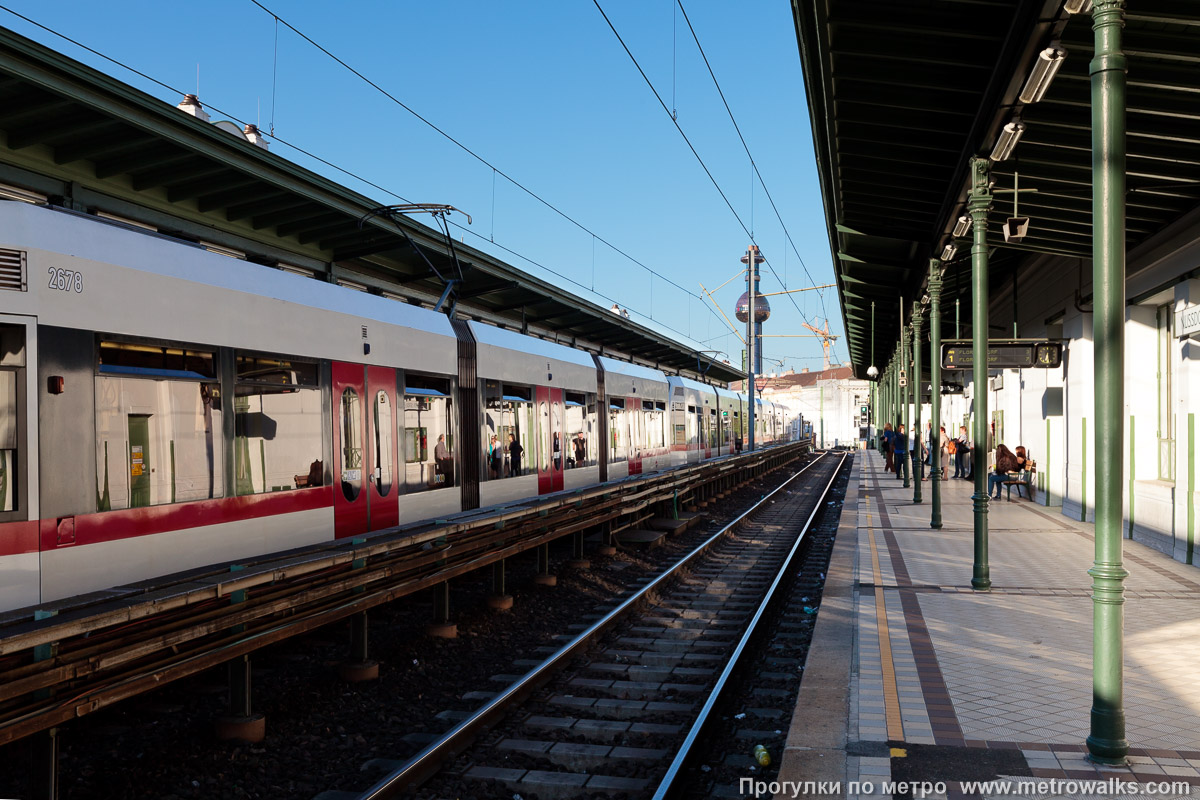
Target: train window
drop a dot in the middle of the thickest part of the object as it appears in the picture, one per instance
(275, 370)
(278, 425)
(428, 435)
(655, 424)
(578, 428)
(158, 441)
(8, 440)
(383, 443)
(156, 361)
(509, 417)
(618, 435)
(350, 417)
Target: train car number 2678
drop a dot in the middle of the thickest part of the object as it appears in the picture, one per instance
(66, 280)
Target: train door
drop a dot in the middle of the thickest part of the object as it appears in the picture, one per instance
(635, 414)
(19, 544)
(551, 445)
(382, 420)
(364, 449)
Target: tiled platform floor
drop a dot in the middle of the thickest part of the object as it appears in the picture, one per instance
(1010, 668)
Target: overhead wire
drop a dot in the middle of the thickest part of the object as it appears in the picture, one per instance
(753, 163)
(468, 150)
(695, 153)
(353, 174)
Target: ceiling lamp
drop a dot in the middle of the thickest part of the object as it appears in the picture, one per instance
(1009, 136)
(1078, 6)
(949, 252)
(1044, 69)
(962, 226)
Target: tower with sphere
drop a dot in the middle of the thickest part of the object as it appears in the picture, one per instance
(762, 309)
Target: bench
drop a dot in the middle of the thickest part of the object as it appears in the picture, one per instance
(1023, 480)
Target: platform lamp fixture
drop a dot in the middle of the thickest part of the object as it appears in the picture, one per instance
(1048, 63)
(1078, 6)
(960, 230)
(1009, 136)
(949, 251)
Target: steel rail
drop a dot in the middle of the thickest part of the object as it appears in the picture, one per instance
(668, 787)
(426, 763)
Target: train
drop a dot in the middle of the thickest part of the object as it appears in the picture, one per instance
(164, 407)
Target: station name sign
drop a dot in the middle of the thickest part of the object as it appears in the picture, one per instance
(1187, 322)
(1003, 354)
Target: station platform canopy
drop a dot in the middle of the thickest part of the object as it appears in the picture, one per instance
(87, 141)
(903, 95)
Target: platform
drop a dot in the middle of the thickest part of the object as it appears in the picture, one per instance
(912, 675)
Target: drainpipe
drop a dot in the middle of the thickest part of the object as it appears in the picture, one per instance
(979, 202)
(1107, 744)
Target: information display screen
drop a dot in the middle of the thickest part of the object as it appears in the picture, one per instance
(1008, 354)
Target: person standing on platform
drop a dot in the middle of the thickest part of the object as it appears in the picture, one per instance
(962, 454)
(900, 451)
(495, 456)
(888, 435)
(514, 455)
(944, 444)
(927, 450)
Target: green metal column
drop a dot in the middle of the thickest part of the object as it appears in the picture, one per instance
(874, 414)
(905, 409)
(1107, 743)
(935, 397)
(918, 318)
(979, 203)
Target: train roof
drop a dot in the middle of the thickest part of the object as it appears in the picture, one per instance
(86, 141)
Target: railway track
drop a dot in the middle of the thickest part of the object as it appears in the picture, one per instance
(623, 707)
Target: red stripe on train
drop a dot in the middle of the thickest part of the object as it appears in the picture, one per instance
(18, 537)
(110, 526)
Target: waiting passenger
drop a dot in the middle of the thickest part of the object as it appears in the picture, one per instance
(443, 465)
(1006, 462)
(514, 455)
(316, 474)
(580, 449)
(495, 455)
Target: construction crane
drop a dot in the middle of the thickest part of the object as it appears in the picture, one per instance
(826, 338)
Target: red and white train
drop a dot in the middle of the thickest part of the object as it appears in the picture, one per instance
(164, 407)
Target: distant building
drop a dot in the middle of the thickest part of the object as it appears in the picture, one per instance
(833, 397)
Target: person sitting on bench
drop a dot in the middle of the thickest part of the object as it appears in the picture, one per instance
(1006, 462)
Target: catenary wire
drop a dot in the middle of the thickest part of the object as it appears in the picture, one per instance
(753, 163)
(695, 153)
(468, 150)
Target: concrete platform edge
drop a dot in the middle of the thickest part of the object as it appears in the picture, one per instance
(817, 736)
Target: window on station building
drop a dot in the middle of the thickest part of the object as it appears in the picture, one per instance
(277, 424)
(1166, 418)
(508, 430)
(158, 425)
(428, 433)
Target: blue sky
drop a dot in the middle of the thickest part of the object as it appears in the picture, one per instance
(545, 93)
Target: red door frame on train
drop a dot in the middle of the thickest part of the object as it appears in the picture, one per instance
(550, 412)
(358, 504)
